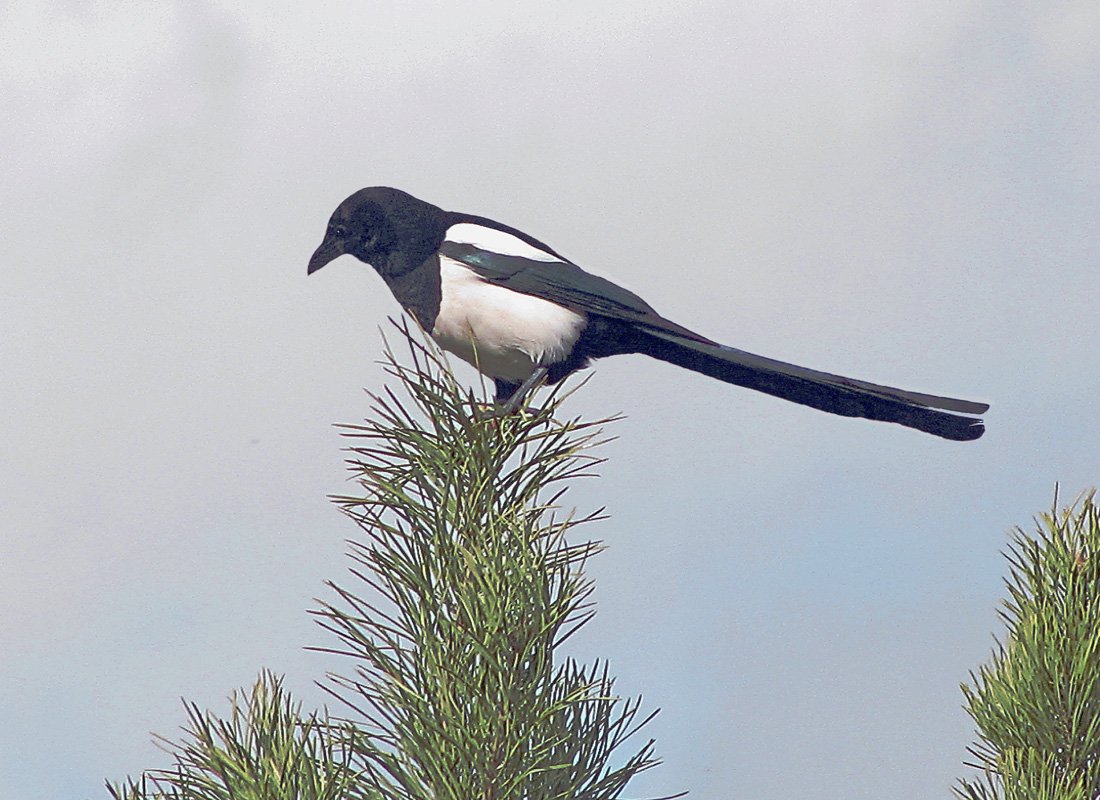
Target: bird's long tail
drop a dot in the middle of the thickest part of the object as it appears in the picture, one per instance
(833, 393)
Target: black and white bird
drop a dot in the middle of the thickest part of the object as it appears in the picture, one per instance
(521, 312)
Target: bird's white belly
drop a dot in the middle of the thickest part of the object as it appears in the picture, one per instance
(504, 334)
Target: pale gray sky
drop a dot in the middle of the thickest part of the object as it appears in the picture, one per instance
(907, 193)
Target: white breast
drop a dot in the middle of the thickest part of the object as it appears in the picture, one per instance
(504, 334)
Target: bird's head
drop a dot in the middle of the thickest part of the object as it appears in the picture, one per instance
(358, 226)
(386, 228)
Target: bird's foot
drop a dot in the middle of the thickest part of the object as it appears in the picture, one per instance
(497, 411)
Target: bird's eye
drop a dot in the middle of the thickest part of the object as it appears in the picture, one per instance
(340, 231)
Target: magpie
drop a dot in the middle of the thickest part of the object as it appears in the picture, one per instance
(521, 312)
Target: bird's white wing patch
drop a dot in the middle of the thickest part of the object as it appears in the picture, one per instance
(495, 241)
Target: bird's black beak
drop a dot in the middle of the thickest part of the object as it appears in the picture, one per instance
(328, 250)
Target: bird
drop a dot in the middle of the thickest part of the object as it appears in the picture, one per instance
(523, 314)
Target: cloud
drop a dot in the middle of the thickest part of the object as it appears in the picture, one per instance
(120, 93)
(904, 193)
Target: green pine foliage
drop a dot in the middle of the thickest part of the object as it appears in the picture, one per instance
(265, 750)
(463, 586)
(1037, 704)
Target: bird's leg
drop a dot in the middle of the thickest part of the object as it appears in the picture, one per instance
(525, 388)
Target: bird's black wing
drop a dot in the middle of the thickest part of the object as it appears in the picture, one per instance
(565, 283)
(561, 282)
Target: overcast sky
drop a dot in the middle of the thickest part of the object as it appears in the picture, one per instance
(902, 192)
